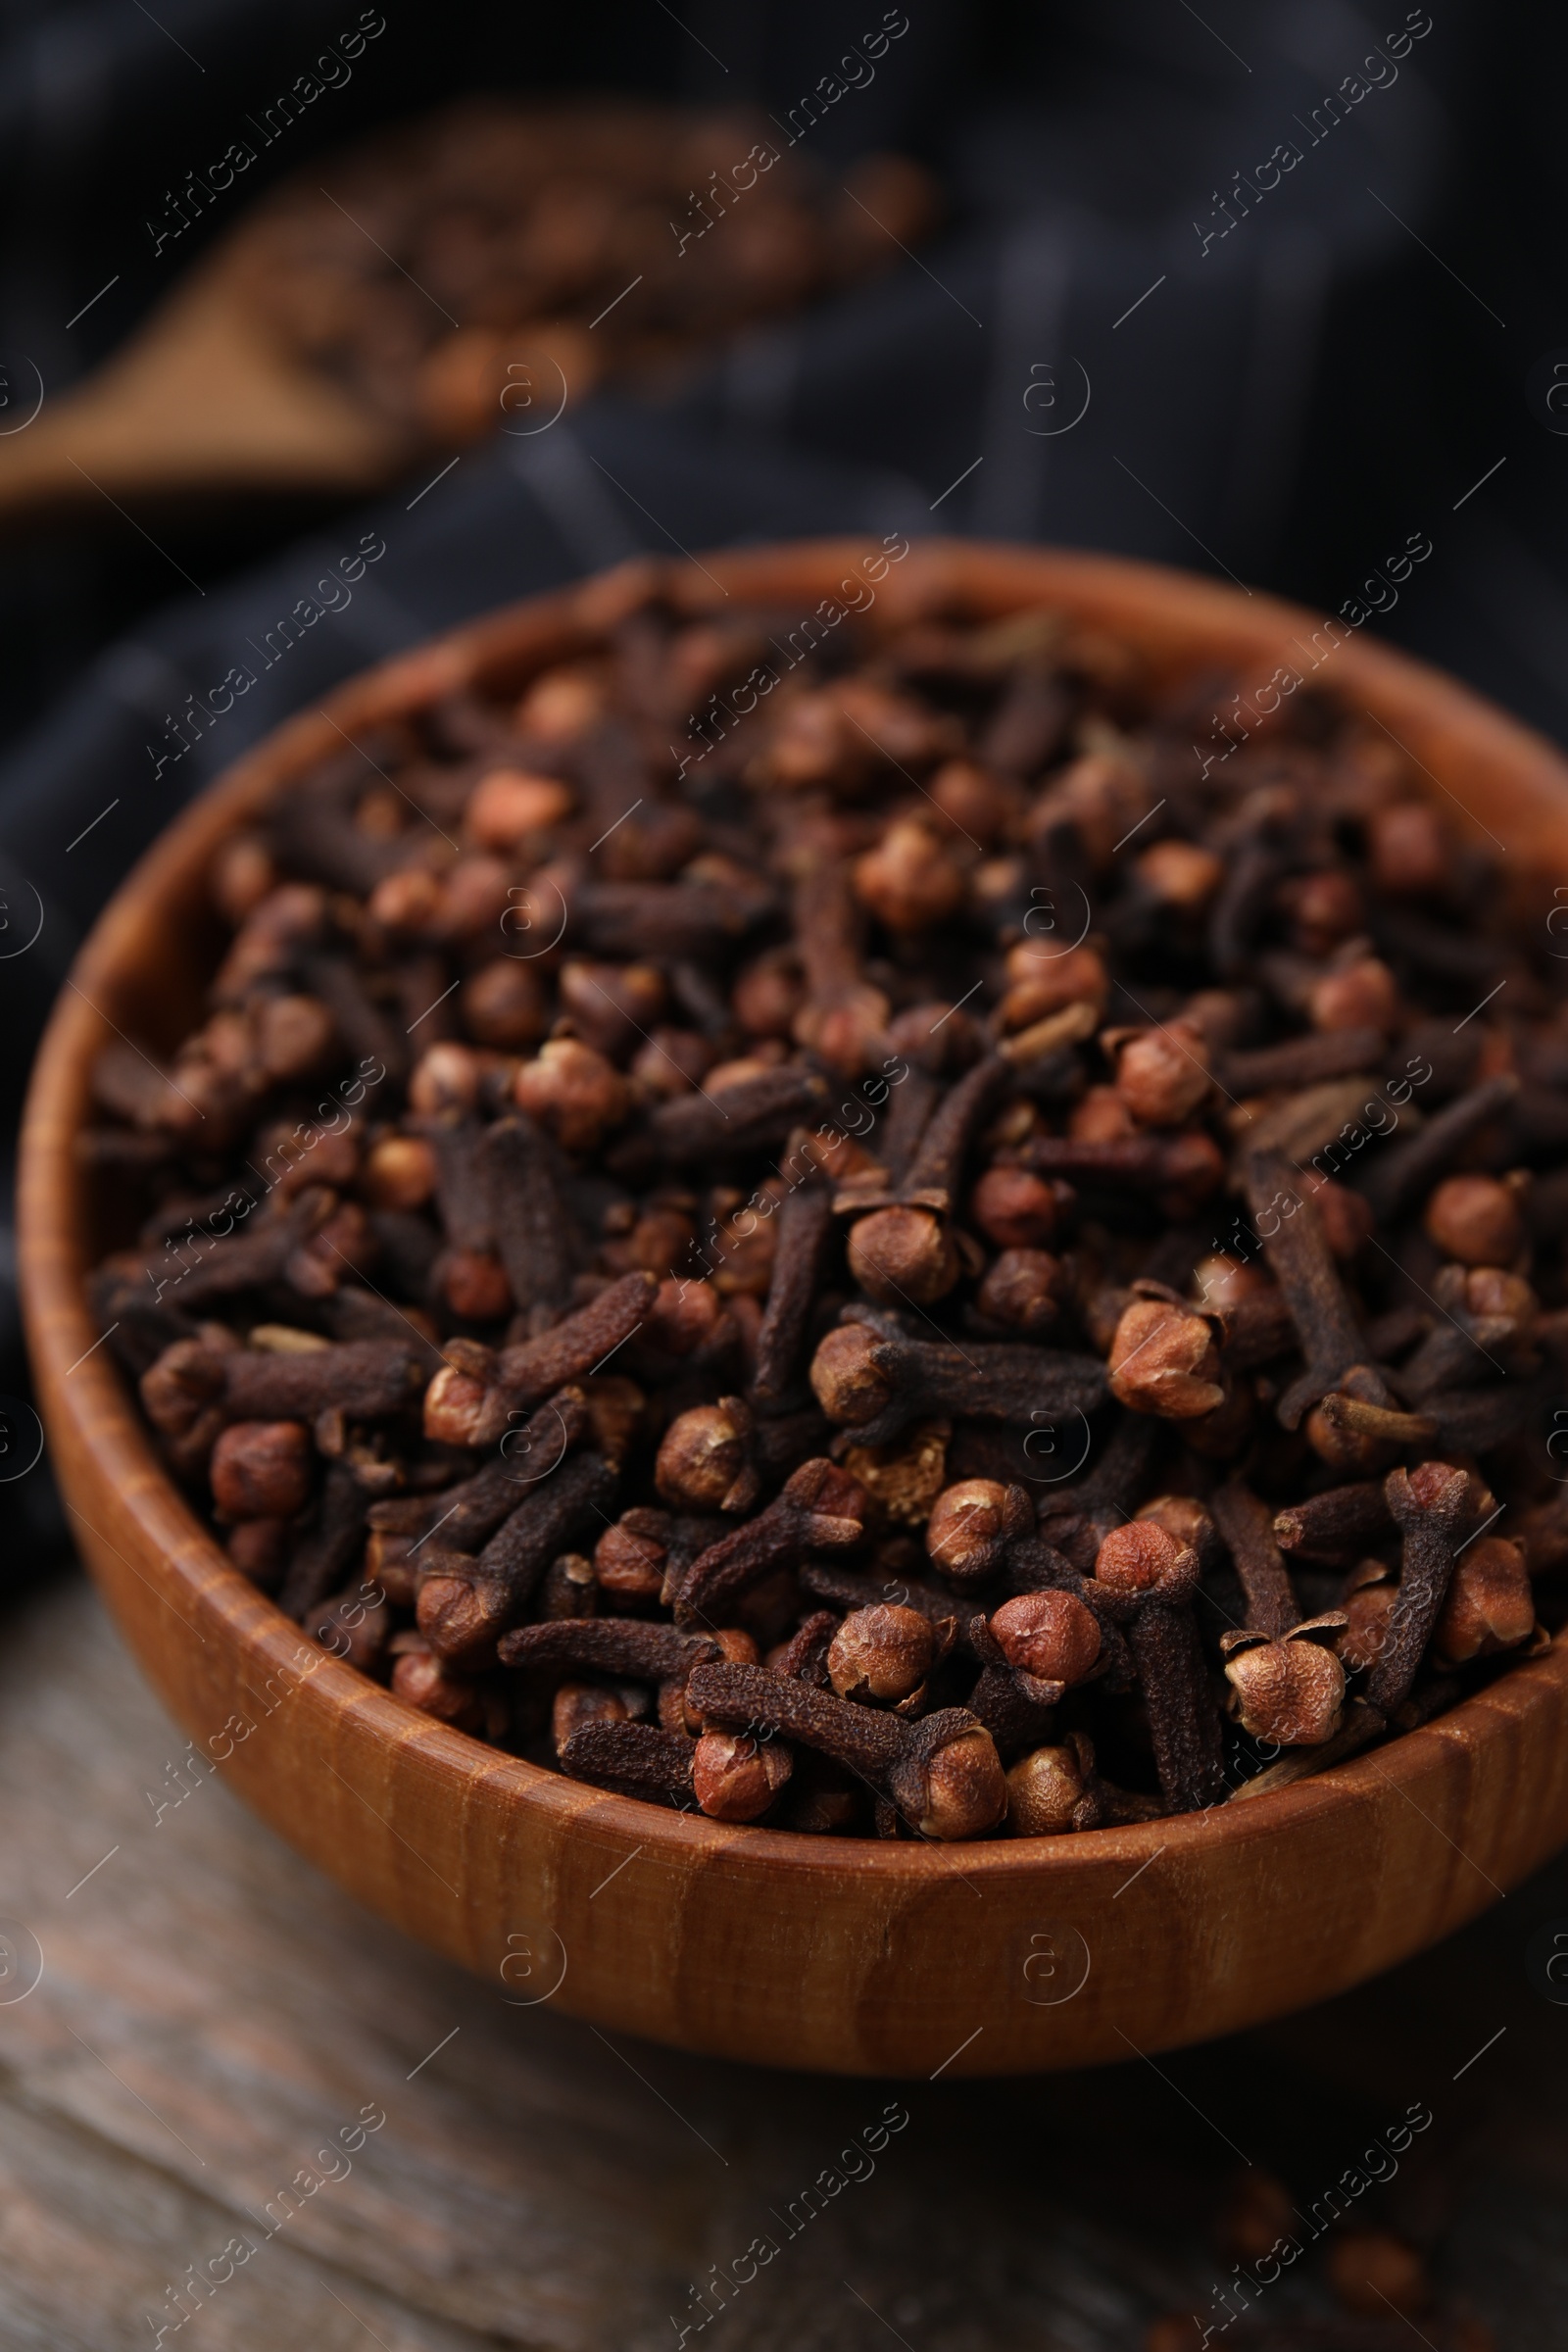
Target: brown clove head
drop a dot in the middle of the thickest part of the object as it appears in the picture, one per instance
(1049, 1635)
(736, 1778)
(903, 1257)
(846, 1379)
(1490, 1605)
(1362, 995)
(475, 1285)
(1180, 874)
(969, 1524)
(260, 1550)
(1492, 1295)
(262, 1470)
(1408, 849)
(186, 1381)
(685, 1315)
(504, 1004)
(1163, 1073)
(1163, 1360)
(629, 1557)
(949, 1782)
(1324, 907)
(1290, 1691)
(1347, 1219)
(1015, 1209)
(1141, 1559)
(703, 1461)
(424, 1681)
(908, 881)
(573, 1093)
(1371, 2271)
(446, 1077)
(1257, 2213)
(460, 1614)
(882, 1655)
(1475, 1219)
(400, 1172)
(1024, 1290)
(1184, 1517)
(453, 1404)
(1044, 1790)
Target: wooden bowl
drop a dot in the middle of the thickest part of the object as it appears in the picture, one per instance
(753, 1944)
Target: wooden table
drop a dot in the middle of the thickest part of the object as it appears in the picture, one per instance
(215, 2023)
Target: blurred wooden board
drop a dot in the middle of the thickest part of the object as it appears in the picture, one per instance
(200, 400)
(212, 2014)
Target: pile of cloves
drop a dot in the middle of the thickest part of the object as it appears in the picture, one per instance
(937, 1267)
(477, 266)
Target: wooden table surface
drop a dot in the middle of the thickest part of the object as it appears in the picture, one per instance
(212, 2018)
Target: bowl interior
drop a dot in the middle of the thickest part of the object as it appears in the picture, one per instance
(843, 1940)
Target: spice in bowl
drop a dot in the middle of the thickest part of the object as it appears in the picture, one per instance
(928, 1268)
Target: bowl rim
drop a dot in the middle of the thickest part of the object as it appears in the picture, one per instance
(98, 1413)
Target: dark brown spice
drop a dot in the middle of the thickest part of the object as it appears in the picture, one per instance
(821, 1507)
(681, 1293)
(972, 1526)
(805, 1654)
(1302, 1265)
(1145, 1565)
(805, 1233)
(746, 1117)
(464, 1605)
(1428, 1505)
(636, 1759)
(877, 1383)
(1341, 1521)
(329, 1544)
(942, 1772)
(1182, 1171)
(471, 1402)
(1246, 1525)
(1407, 1169)
(631, 1647)
(525, 1198)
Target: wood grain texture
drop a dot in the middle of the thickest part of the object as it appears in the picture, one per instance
(741, 1941)
(212, 2011)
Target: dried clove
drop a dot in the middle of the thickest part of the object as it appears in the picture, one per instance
(465, 1604)
(471, 1402)
(971, 1526)
(1145, 1565)
(635, 1759)
(876, 1385)
(1408, 1168)
(883, 1654)
(942, 1772)
(1428, 1506)
(1246, 1525)
(1338, 1522)
(1302, 1265)
(526, 1201)
(821, 1506)
(804, 1232)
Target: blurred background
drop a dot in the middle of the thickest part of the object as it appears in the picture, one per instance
(1093, 304)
